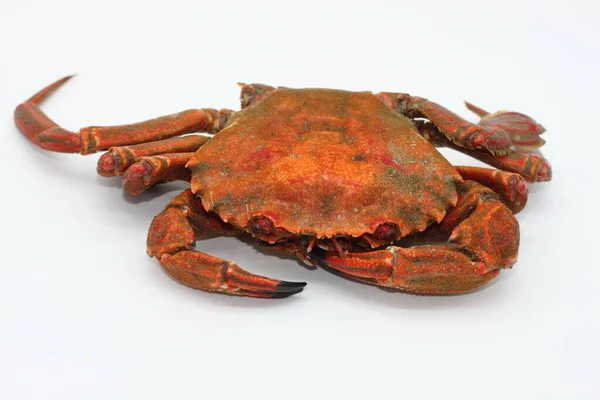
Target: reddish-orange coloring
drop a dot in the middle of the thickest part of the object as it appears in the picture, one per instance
(348, 181)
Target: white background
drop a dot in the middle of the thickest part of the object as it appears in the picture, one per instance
(85, 314)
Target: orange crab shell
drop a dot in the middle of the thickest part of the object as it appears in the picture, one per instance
(324, 163)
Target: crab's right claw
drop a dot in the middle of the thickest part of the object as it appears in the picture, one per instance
(523, 130)
(482, 239)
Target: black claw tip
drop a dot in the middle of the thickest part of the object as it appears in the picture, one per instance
(290, 285)
(284, 294)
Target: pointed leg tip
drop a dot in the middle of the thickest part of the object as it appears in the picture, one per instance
(291, 285)
(62, 81)
(274, 293)
(43, 94)
(473, 108)
(284, 294)
(67, 78)
(540, 130)
(283, 289)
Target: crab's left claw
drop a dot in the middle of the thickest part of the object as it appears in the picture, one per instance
(523, 130)
(171, 239)
(483, 238)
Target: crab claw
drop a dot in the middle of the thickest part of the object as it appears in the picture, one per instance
(523, 130)
(482, 239)
(442, 269)
(171, 237)
(202, 271)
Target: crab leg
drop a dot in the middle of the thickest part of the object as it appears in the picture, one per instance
(524, 131)
(117, 159)
(483, 238)
(45, 133)
(479, 111)
(511, 187)
(170, 240)
(533, 167)
(496, 133)
(148, 171)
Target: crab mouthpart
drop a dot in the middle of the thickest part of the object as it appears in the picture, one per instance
(330, 244)
(311, 244)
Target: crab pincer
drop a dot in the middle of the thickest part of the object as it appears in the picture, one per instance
(345, 180)
(482, 238)
(171, 238)
(202, 271)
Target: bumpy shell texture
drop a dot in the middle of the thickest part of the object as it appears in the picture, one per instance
(325, 163)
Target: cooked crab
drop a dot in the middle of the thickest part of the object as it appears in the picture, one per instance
(346, 180)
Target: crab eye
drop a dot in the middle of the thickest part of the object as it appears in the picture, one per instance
(262, 226)
(387, 232)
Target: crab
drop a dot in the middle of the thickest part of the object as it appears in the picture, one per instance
(348, 181)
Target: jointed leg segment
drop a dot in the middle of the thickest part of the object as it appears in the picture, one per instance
(127, 144)
(117, 159)
(483, 237)
(454, 127)
(171, 238)
(44, 132)
(503, 139)
(533, 167)
(148, 171)
(481, 231)
(509, 186)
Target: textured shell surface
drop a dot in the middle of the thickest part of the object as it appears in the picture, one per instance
(324, 162)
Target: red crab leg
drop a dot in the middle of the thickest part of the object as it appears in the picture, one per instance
(511, 187)
(484, 238)
(117, 159)
(523, 130)
(148, 171)
(533, 167)
(495, 133)
(45, 133)
(479, 111)
(171, 238)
